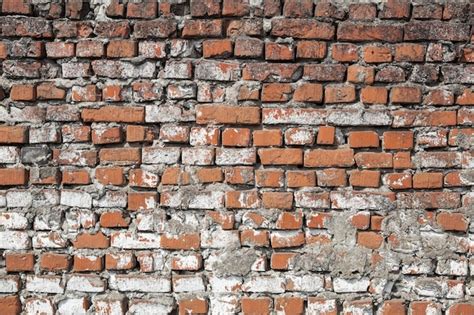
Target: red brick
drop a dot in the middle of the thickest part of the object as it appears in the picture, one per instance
(275, 51)
(142, 10)
(345, 52)
(361, 220)
(374, 95)
(122, 156)
(267, 137)
(306, 49)
(237, 137)
(339, 94)
(18, 7)
(114, 114)
(452, 221)
(395, 9)
(224, 114)
(54, 262)
(248, 48)
(192, 306)
(205, 8)
(398, 140)
(120, 261)
(287, 241)
(289, 304)
(258, 238)
(13, 176)
(281, 156)
(87, 263)
(88, 93)
(242, 199)
(309, 92)
(94, 241)
(23, 92)
(279, 200)
(138, 201)
(370, 240)
(302, 29)
(269, 178)
(219, 48)
(332, 178)
(19, 262)
(405, 95)
(410, 52)
(48, 91)
(374, 160)
(190, 241)
(139, 134)
(282, 260)
(326, 135)
(113, 219)
(260, 305)
(89, 48)
(289, 221)
(60, 50)
(363, 139)
(428, 180)
(202, 28)
(365, 178)
(393, 307)
(110, 176)
(329, 158)
(121, 48)
(360, 74)
(357, 32)
(362, 11)
(276, 92)
(399, 180)
(377, 54)
(75, 177)
(10, 304)
(460, 309)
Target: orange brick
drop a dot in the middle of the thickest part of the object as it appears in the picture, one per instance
(398, 140)
(76, 177)
(110, 176)
(326, 135)
(269, 178)
(267, 138)
(374, 95)
(365, 178)
(370, 240)
(363, 139)
(309, 92)
(428, 180)
(218, 48)
(23, 92)
(377, 54)
(296, 179)
(236, 137)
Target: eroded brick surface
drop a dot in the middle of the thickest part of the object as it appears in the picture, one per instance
(224, 156)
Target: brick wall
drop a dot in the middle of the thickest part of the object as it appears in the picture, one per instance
(229, 156)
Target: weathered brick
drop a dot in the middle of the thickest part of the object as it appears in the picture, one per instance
(114, 113)
(202, 28)
(248, 47)
(302, 28)
(357, 32)
(434, 30)
(209, 114)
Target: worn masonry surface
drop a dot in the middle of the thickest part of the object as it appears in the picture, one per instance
(236, 157)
